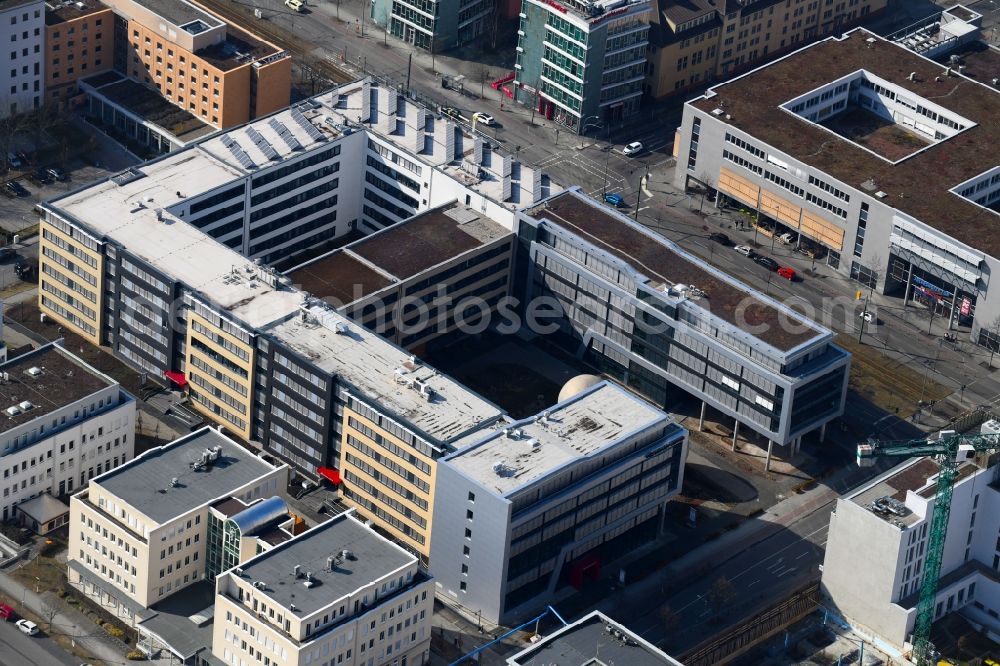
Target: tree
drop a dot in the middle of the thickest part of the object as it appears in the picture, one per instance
(384, 19)
(707, 183)
(49, 611)
(41, 120)
(483, 74)
(993, 341)
(668, 617)
(719, 595)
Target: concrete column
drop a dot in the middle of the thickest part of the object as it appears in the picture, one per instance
(736, 431)
(767, 461)
(909, 283)
(822, 433)
(701, 419)
(951, 315)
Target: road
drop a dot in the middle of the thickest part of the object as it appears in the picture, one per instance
(22, 650)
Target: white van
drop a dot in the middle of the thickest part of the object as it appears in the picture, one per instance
(297, 5)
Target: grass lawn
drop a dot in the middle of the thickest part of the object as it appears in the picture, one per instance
(888, 383)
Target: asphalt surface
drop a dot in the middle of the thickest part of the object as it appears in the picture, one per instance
(19, 649)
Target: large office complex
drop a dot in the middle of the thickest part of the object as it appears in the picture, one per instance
(663, 322)
(153, 526)
(65, 423)
(889, 520)
(582, 63)
(697, 42)
(594, 638)
(882, 160)
(437, 25)
(337, 594)
(22, 31)
(522, 511)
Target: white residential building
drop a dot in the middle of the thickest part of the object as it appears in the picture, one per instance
(141, 532)
(22, 78)
(337, 595)
(876, 551)
(65, 423)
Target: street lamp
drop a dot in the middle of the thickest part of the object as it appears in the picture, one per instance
(584, 124)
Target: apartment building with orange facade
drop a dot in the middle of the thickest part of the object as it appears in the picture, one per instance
(79, 42)
(205, 73)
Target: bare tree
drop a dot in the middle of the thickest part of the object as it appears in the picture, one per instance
(707, 183)
(49, 610)
(719, 595)
(993, 343)
(484, 75)
(338, 9)
(668, 617)
(384, 19)
(41, 120)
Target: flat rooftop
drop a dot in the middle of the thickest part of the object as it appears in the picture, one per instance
(375, 559)
(184, 619)
(149, 105)
(239, 48)
(144, 483)
(181, 13)
(63, 379)
(382, 373)
(664, 263)
(428, 239)
(573, 431)
(398, 252)
(919, 185)
(62, 11)
(590, 642)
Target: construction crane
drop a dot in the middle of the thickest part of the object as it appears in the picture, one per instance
(951, 450)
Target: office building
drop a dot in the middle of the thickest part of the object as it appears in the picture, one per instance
(440, 258)
(664, 322)
(437, 25)
(888, 520)
(22, 32)
(881, 160)
(175, 298)
(336, 594)
(527, 512)
(144, 530)
(582, 63)
(594, 638)
(701, 41)
(65, 423)
(79, 42)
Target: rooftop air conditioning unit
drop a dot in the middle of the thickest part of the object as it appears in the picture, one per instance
(13, 411)
(34, 371)
(25, 406)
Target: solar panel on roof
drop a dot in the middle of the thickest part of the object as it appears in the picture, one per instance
(238, 152)
(285, 134)
(263, 144)
(314, 133)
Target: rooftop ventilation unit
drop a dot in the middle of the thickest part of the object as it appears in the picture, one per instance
(341, 328)
(881, 195)
(502, 469)
(297, 570)
(174, 482)
(13, 411)
(25, 406)
(348, 555)
(259, 584)
(34, 371)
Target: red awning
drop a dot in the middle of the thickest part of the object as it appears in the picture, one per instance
(331, 474)
(176, 378)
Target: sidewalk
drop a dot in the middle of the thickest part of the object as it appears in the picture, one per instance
(68, 621)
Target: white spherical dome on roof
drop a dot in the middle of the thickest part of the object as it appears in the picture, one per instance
(577, 385)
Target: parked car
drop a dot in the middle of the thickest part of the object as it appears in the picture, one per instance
(451, 112)
(786, 239)
(633, 148)
(745, 250)
(6, 613)
(23, 156)
(787, 272)
(720, 238)
(58, 174)
(27, 626)
(767, 262)
(15, 188)
(13, 160)
(615, 200)
(41, 176)
(24, 268)
(295, 5)
(483, 118)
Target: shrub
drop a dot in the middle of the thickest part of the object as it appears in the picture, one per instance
(115, 631)
(135, 655)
